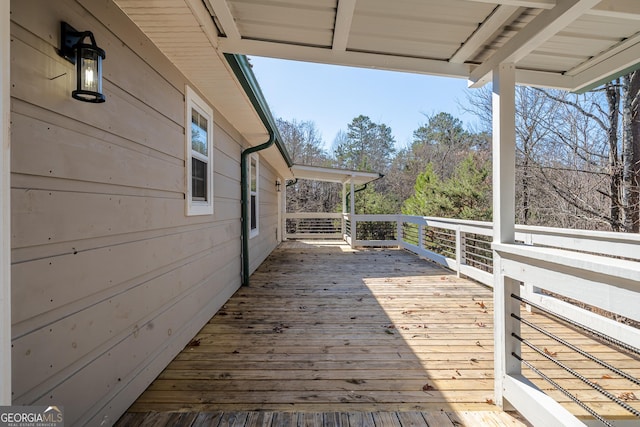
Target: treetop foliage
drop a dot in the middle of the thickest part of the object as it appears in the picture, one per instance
(366, 146)
(577, 160)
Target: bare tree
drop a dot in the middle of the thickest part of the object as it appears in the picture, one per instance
(304, 145)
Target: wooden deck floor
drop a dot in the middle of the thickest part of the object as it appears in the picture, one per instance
(324, 329)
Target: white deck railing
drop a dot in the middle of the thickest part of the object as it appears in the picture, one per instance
(599, 269)
(314, 225)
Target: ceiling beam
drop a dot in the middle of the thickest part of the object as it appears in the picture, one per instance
(544, 79)
(225, 18)
(344, 17)
(606, 55)
(536, 4)
(544, 26)
(621, 9)
(501, 16)
(347, 58)
(625, 9)
(621, 63)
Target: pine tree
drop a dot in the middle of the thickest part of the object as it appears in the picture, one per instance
(466, 195)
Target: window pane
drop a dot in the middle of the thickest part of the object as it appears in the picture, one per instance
(254, 218)
(198, 179)
(199, 127)
(254, 184)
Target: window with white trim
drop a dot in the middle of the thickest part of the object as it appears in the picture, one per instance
(254, 178)
(199, 154)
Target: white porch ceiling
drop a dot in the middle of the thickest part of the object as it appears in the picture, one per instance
(568, 44)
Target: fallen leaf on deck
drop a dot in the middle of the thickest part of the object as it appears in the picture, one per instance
(453, 378)
(481, 304)
(478, 344)
(387, 331)
(427, 387)
(194, 343)
(606, 377)
(474, 360)
(407, 312)
(490, 401)
(550, 353)
(481, 325)
(354, 381)
(627, 396)
(458, 372)
(462, 306)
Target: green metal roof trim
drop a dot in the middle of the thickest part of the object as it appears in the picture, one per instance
(242, 69)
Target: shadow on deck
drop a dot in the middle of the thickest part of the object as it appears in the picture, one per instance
(327, 330)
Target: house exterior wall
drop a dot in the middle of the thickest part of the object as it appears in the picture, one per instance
(266, 241)
(110, 278)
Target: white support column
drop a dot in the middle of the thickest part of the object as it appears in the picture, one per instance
(504, 149)
(352, 209)
(5, 209)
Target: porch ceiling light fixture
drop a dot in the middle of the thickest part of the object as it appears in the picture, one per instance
(87, 58)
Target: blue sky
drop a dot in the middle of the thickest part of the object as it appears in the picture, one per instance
(331, 96)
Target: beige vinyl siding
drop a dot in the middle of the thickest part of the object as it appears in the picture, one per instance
(110, 278)
(266, 241)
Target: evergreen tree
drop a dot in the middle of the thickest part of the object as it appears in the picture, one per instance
(428, 198)
(466, 195)
(367, 146)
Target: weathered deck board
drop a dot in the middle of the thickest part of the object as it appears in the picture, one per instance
(373, 335)
(320, 419)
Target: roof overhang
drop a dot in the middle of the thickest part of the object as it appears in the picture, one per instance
(184, 31)
(342, 176)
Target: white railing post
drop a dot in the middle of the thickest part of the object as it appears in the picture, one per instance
(505, 364)
(399, 231)
(421, 236)
(461, 250)
(352, 208)
(354, 233)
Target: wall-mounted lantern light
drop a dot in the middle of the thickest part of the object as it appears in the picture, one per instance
(278, 185)
(88, 60)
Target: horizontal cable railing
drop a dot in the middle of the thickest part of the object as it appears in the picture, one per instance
(587, 277)
(314, 225)
(575, 371)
